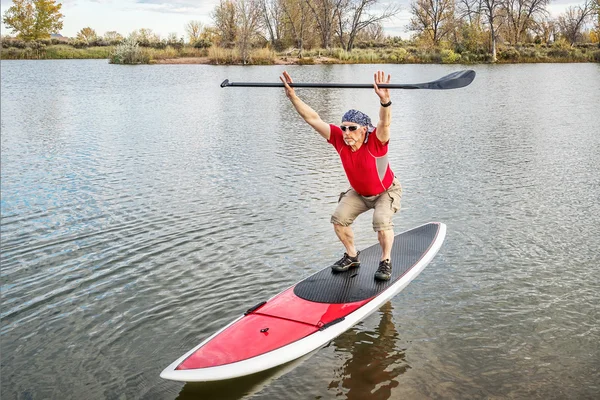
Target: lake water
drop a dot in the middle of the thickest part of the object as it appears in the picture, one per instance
(143, 208)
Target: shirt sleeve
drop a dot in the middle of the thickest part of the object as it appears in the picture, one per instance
(336, 137)
(377, 148)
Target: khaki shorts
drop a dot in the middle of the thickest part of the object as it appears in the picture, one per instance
(351, 205)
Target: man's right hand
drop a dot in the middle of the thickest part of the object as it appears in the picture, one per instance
(307, 113)
(286, 78)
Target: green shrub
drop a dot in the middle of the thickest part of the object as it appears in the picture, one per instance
(510, 54)
(202, 43)
(595, 56)
(399, 55)
(69, 52)
(450, 57)
(559, 52)
(128, 52)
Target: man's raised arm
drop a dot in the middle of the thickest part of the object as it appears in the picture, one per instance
(307, 113)
(385, 114)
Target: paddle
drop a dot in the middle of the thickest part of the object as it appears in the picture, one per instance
(453, 81)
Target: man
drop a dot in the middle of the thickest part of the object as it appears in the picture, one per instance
(363, 151)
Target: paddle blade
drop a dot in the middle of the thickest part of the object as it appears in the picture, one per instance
(454, 80)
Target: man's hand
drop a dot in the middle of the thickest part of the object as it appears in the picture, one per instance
(385, 115)
(384, 94)
(286, 78)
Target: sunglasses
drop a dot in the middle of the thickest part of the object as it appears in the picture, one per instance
(351, 128)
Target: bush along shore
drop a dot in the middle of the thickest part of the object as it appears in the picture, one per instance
(397, 52)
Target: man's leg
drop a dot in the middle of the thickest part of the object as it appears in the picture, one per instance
(385, 208)
(350, 205)
(346, 236)
(386, 240)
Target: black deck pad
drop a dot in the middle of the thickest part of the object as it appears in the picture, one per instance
(327, 286)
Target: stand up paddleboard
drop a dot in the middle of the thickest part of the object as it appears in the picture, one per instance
(309, 314)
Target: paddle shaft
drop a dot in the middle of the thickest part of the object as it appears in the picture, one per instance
(453, 81)
(320, 85)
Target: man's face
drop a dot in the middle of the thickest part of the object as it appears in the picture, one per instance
(353, 133)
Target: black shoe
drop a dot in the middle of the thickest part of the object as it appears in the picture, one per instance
(346, 262)
(384, 272)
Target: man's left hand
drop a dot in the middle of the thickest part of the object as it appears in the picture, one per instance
(384, 94)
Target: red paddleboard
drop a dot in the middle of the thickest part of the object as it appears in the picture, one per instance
(308, 315)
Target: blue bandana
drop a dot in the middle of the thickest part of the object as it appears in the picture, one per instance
(358, 118)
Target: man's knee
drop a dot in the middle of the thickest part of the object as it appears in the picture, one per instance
(341, 220)
(379, 226)
(382, 221)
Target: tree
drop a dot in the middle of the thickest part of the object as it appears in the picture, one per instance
(193, 30)
(145, 37)
(596, 6)
(469, 28)
(113, 37)
(545, 29)
(34, 19)
(356, 17)
(491, 10)
(87, 35)
(296, 19)
(520, 16)
(372, 33)
(572, 21)
(224, 17)
(325, 13)
(248, 22)
(432, 18)
(272, 14)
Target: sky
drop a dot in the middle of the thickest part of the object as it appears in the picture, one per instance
(165, 17)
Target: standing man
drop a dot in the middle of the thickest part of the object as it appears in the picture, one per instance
(363, 152)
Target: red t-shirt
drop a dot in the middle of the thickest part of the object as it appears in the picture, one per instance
(367, 168)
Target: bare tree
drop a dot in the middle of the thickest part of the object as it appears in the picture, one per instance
(545, 29)
(248, 23)
(354, 16)
(469, 11)
(491, 11)
(273, 13)
(373, 32)
(194, 30)
(325, 12)
(432, 18)
(520, 16)
(572, 21)
(597, 27)
(296, 14)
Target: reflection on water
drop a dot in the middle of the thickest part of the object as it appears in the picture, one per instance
(146, 208)
(374, 364)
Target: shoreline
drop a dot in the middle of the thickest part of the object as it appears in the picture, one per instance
(276, 61)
